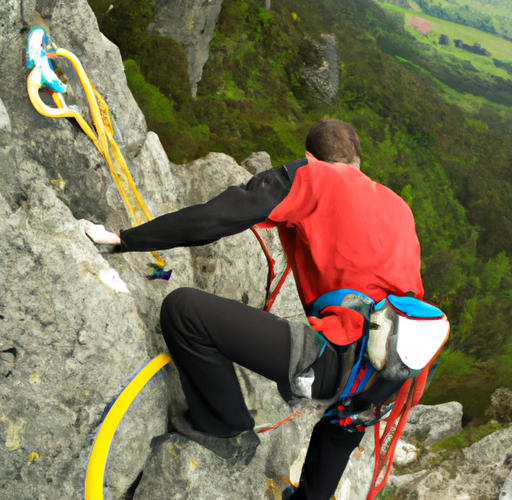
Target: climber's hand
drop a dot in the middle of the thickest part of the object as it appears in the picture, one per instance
(99, 235)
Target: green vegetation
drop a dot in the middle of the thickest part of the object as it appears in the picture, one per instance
(452, 168)
(451, 445)
(480, 85)
(492, 16)
(387, 493)
(499, 48)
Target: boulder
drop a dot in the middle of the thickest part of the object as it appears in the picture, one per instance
(506, 490)
(477, 473)
(501, 406)
(257, 162)
(405, 453)
(430, 424)
(195, 472)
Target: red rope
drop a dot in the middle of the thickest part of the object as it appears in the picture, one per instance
(271, 299)
(271, 294)
(265, 429)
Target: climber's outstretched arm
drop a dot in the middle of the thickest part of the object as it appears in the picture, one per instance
(234, 210)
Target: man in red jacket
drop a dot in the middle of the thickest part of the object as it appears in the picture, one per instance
(350, 242)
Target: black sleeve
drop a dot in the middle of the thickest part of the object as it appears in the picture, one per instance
(232, 211)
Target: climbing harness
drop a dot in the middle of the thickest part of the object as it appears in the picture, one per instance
(43, 79)
(420, 330)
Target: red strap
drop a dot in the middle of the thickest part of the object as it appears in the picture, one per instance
(271, 294)
(400, 412)
(405, 400)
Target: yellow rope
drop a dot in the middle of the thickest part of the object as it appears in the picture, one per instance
(103, 138)
(97, 464)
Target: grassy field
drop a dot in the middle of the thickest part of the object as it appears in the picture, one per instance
(498, 47)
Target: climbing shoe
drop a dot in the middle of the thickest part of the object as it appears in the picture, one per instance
(238, 450)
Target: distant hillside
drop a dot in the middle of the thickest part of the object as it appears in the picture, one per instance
(466, 66)
(492, 16)
(494, 47)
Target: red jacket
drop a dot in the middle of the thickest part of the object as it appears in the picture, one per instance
(340, 229)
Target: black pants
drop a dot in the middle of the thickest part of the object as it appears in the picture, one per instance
(205, 334)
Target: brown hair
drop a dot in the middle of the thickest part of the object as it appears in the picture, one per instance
(332, 140)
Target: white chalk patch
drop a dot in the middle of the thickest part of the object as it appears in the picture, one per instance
(343, 492)
(296, 467)
(5, 123)
(113, 280)
(405, 453)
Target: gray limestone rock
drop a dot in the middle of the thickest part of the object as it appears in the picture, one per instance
(476, 474)
(421, 426)
(191, 23)
(430, 424)
(405, 453)
(74, 323)
(324, 76)
(356, 480)
(257, 162)
(195, 472)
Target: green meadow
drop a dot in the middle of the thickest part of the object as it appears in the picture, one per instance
(498, 47)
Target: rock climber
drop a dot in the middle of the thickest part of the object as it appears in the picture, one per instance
(350, 241)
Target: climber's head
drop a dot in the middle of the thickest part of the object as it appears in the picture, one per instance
(334, 141)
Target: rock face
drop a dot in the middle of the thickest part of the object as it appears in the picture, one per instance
(191, 23)
(506, 491)
(476, 474)
(75, 324)
(356, 481)
(324, 76)
(5, 123)
(195, 472)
